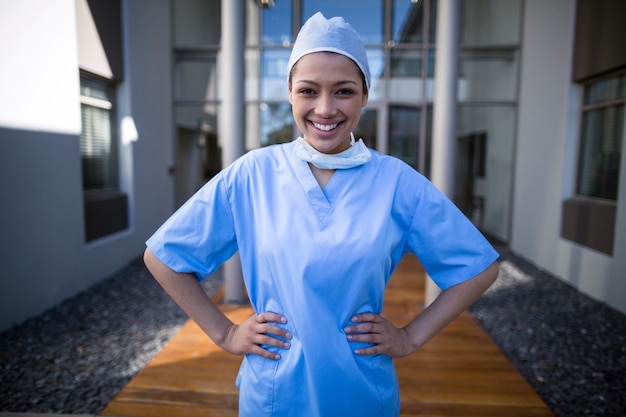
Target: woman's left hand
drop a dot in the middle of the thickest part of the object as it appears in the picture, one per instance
(385, 337)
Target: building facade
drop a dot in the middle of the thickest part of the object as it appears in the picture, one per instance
(112, 114)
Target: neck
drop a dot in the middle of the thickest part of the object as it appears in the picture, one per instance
(321, 175)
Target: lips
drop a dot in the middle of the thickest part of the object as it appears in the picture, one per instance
(325, 128)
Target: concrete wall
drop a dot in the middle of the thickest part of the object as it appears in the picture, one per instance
(42, 248)
(546, 159)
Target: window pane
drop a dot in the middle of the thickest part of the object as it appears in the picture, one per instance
(97, 143)
(367, 128)
(276, 123)
(407, 21)
(253, 73)
(278, 24)
(376, 61)
(404, 134)
(600, 152)
(198, 156)
(489, 22)
(604, 90)
(274, 70)
(488, 76)
(95, 148)
(196, 78)
(493, 127)
(365, 16)
(406, 70)
(197, 23)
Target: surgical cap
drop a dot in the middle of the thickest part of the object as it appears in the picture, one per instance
(319, 34)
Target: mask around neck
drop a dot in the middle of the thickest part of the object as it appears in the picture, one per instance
(356, 155)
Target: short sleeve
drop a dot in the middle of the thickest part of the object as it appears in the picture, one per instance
(199, 236)
(449, 246)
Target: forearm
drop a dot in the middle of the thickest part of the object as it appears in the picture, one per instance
(449, 305)
(187, 292)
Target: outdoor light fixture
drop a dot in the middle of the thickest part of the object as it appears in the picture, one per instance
(266, 3)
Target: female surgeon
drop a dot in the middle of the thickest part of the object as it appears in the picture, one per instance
(320, 223)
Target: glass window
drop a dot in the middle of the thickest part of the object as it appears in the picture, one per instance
(601, 139)
(197, 23)
(253, 73)
(407, 21)
(488, 75)
(98, 143)
(376, 61)
(405, 83)
(486, 139)
(277, 124)
(488, 22)
(195, 78)
(365, 16)
(404, 134)
(607, 89)
(198, 155)
(274, 74)
(278, 24)
(367, 128)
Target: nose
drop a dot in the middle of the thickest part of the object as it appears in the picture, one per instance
(325, 106)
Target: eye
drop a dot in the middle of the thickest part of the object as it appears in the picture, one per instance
(345, 91)
(306, 91)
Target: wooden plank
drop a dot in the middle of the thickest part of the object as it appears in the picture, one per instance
(460, 372)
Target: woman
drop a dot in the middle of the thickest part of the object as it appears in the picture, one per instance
(320, 225)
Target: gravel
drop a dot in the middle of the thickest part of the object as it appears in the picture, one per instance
(570, 348)
(76, 357)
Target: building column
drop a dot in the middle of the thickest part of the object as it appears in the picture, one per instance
(231, 114)
(445, 106)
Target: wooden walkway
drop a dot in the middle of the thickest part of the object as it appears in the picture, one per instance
(461, 372)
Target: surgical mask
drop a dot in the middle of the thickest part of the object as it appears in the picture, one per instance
(356, 155)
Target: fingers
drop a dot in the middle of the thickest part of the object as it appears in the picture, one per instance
(366, 323)
(258, 333)
(373, 329)
(264, 321)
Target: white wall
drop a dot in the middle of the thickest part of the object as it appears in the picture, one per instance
(545, 158)
(42, 248)
(38, 46)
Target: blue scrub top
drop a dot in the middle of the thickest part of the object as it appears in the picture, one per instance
(319, 256)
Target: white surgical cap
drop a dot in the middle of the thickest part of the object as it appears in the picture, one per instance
(319, 34)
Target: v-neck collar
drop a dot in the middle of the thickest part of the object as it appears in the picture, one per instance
(320, 199)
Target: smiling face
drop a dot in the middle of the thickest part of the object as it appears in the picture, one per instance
(327, 93)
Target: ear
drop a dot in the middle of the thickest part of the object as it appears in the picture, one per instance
(290, 92)
(364, 99)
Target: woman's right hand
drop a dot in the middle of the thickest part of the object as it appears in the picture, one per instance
(249, 336)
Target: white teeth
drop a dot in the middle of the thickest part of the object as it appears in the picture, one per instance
(325, 127)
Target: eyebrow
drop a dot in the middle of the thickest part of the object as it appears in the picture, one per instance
(338, 83)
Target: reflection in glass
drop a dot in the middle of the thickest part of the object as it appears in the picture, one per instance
(405, 83)
(376, 61)
(404, 134)
(253, 73)
(607, 89)
(277, 24)
(487, 22)
(276, 123)
(600, 152)
(497, 124)
(198, 155)
(196, 78)
(488, 76)
(367, 128)
(274, 70)
(197, 22)
(365, 16)
(407, 22)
